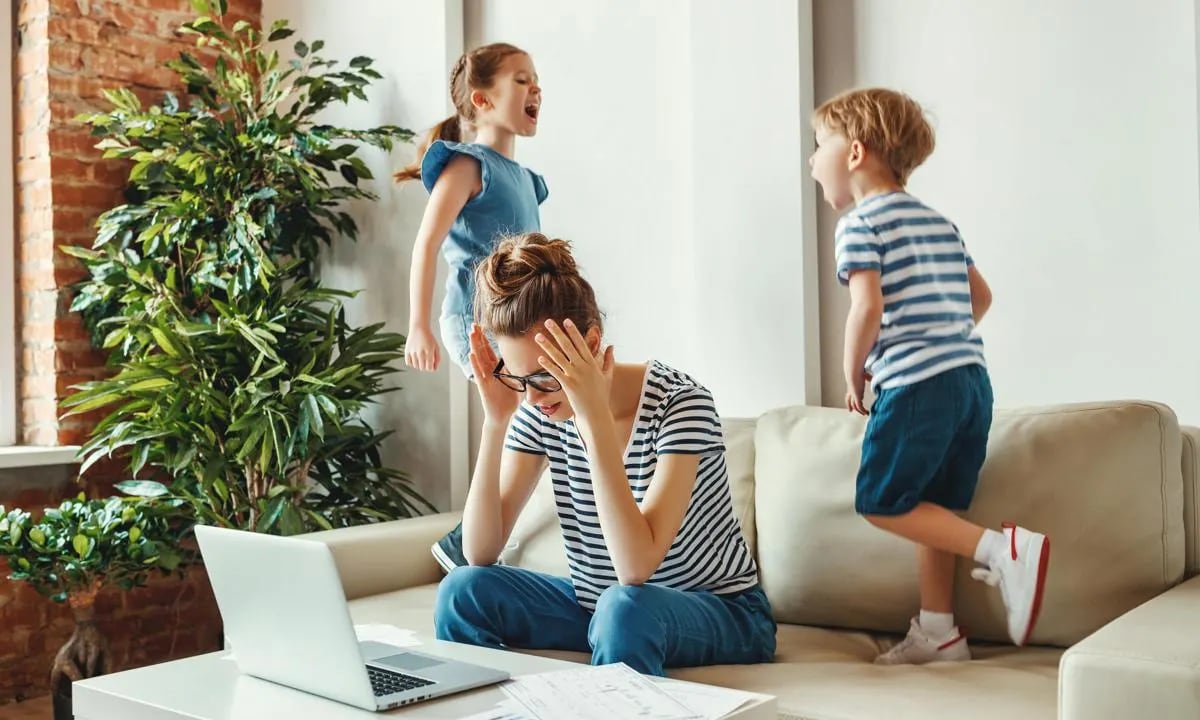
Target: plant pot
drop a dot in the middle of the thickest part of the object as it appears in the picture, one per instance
(84, 655)
(62, 704)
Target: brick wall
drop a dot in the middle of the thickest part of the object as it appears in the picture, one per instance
(67, 52)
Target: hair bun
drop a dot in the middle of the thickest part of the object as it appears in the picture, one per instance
(520, 259)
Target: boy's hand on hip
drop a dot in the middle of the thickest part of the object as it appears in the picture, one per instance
(855, 390)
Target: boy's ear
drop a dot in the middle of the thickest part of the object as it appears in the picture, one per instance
(593, 339)
(856, 156)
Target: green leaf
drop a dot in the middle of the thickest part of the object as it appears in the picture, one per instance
(274, 509)
(165, 343)
(36, 536)
(143, 488)
(360, 62)
(301, 48)
(82, 545)
(134, 534)
(151, 384)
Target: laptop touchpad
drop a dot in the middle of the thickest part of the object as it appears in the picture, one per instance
(408, 661)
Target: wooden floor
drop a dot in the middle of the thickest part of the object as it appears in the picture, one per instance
(36, 709)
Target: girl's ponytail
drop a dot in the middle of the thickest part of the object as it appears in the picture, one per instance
(449, 130)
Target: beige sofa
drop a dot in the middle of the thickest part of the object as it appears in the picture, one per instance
(1112, 484)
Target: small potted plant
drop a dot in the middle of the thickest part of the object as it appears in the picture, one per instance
(72, 551)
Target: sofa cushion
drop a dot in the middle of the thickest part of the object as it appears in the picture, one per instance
(536, 542)
(1191, 497)
(821, 674)
(1103, 481)
(410, 608)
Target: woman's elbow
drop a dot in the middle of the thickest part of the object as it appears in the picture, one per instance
(635, 574)
(632, 579)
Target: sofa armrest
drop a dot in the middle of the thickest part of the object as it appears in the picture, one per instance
(382, 557)
(1145, 663)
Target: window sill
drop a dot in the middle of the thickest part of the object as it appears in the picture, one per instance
(22, 456)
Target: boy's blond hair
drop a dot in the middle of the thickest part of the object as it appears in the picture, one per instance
(888, 123)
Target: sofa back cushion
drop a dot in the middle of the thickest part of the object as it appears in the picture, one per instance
(1102, 481)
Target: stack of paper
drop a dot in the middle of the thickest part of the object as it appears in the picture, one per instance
(609, 692)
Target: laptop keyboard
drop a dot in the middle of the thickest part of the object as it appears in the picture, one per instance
(386, 682)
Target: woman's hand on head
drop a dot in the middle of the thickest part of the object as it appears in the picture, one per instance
(586, 376)
(499, 400)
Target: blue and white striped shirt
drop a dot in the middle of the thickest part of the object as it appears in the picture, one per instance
(927, 326)
(675, 415)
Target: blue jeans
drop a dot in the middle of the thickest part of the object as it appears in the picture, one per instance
(648, 627)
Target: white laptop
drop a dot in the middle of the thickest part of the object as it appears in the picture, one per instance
(285, 615)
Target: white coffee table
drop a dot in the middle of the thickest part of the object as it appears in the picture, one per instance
(209, 687)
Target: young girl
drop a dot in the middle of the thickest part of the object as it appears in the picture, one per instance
(660, 574)
(476, 192)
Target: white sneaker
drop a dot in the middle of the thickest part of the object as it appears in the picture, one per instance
(918, 648)
(1020, 571)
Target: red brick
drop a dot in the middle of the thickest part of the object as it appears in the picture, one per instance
(113, 173)
(63, 167)
(77, 355)
(72, 8)
(78, 86)
(63, 112)
(68, 220)
(70, 328)
(65, 57)
(86, 31)
(92, 196)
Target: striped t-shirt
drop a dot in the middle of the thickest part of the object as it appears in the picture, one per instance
(927, 326)
(675, 415)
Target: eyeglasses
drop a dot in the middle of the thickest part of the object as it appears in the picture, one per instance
(542, 381)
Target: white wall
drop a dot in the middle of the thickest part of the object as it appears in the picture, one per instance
(1067, 154)
(413, 44)
(669, 140)
(8, 253)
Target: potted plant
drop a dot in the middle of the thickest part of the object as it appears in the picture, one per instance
(238, 377)
(74, 550)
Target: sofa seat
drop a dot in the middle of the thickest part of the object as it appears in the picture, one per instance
(829, 672)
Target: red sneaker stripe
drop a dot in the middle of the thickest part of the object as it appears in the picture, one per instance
(1043, 564)
(951, 642)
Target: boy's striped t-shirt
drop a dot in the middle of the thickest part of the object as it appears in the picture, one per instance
(927, 326)
(675, 415)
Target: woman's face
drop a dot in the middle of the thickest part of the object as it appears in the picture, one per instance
(520, 354)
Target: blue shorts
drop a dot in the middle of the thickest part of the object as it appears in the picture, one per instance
(926, 443)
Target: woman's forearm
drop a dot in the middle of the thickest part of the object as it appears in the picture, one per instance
(483, 520)
(626, 532)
